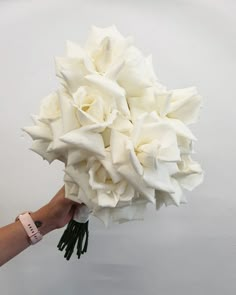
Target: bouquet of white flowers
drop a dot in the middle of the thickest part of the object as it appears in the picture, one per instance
(123, 137)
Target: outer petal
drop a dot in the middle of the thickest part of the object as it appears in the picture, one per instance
(158, 179)
(80, 177)
(185, 105)
(71, 72)
(40, 147)
(190, 174)
(96, 36)
(71, 188)
(134, 211)
(50, 107)
(169, 198)
(185, 145)
(139, 105)
(88, 141)
(41, 131)
(134, 75)
(57, 130)
(180, 128)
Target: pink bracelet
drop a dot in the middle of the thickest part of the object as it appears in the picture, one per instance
(31, 229)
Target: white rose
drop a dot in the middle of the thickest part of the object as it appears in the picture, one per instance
(97, 184)
(107, 53)
(141, 157)
(41, 132)
(188, 176)
(177, 107)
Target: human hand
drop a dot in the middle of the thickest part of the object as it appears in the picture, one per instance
(56, 214)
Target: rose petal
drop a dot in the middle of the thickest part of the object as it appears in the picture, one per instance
(50, 107)
(39, 132)
(170, 198)
(134, 75)
(40, 147)
(109, 87)
(180, 128)
(190, 173)
(118, 145)
(68, 112)
(57, 130)
(88, 141)
(107, 199)
(159, 178)
(128, 172)
(185, 105)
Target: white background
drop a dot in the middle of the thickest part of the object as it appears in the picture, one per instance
(188, 250)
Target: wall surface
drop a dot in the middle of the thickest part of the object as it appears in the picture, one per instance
(189, 250)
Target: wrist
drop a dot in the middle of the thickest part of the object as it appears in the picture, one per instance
(30, 227)
(41, 216)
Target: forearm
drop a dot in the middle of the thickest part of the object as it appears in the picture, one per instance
(13, 240)
(13, 237)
